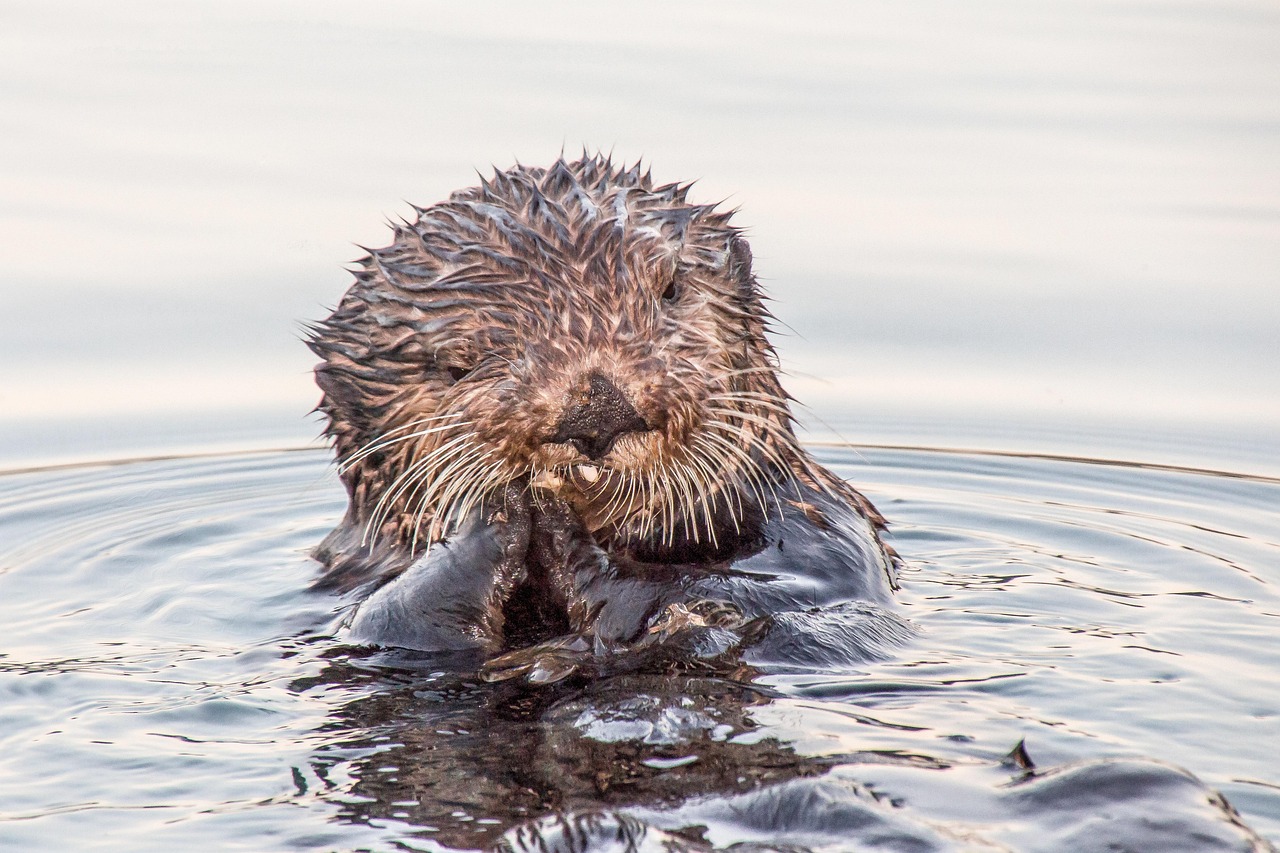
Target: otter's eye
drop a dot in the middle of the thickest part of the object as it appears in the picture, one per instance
(457, 374)
(672, 291)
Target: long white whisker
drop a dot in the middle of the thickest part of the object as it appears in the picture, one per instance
(748, 417)
(706, 500)
(487, 478)
(707, 477)
(414, 472)
(747, 371)
(429, 499)
(745, 471)
(754, 401)
(440, 456)
(614, 503)
(386, 439)
(454, 480)
(651, 504)
(770, 428)
(750, 464)
(682, 483)
(414, 476)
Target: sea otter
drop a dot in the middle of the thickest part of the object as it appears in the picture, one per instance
(558, 419)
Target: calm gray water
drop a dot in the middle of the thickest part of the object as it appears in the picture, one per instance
(166, 682)
(1048, 229)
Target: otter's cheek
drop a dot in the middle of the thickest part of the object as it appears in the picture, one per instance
(549, 456)
(636, 451)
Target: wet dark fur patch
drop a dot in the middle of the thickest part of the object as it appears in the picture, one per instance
(448, 364)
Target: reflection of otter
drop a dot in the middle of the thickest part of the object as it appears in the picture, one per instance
(472, 760)
(557, 414)
(663, 763)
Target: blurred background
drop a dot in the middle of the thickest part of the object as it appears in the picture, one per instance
(1048, 227)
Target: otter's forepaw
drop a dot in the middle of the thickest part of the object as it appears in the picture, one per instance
(544, 663)
(704, 613)
(703, 630)
(509, 515)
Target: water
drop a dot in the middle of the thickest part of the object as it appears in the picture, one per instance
(167, 682)
(1031, 230)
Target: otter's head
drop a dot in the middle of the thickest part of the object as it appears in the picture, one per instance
(576, 328)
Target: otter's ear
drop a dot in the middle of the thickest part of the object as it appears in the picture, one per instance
(739, 259)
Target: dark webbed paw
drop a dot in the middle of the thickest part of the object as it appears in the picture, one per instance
(682, 637)
(543, 663)
(558, 540)
(451, 598)
(507, 517)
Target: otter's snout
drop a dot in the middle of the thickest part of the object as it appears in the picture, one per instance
(596, 417)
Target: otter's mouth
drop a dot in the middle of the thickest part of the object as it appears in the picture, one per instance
(585, 477)
(600, 495)
(589, 474)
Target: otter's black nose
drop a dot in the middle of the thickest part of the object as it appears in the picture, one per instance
(596, 418)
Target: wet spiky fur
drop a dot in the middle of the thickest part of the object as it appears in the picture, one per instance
(448, 363)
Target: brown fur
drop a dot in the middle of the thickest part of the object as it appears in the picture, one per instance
(492, 310)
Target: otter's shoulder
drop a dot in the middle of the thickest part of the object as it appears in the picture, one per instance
(821, 544)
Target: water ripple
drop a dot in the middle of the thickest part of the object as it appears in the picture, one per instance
(165, 678)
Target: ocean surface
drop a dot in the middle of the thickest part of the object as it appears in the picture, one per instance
(169, 683)
(1026, 263)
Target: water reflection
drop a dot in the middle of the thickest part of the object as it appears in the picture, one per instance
(664, 761)
(466, 761)
(1118, 619)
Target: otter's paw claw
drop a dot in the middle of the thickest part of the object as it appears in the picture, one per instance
(545, 663)
(697, 614)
